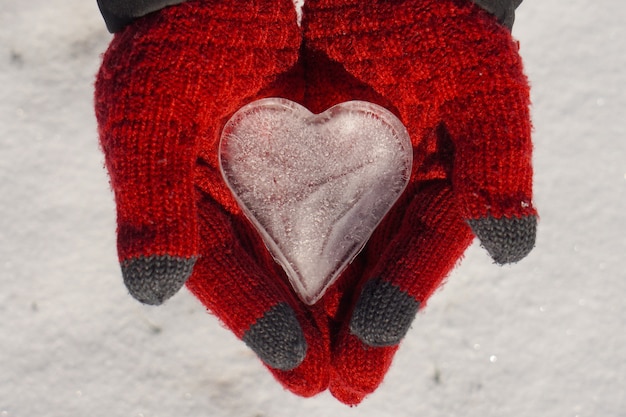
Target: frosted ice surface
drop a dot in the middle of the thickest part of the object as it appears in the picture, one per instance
(315, 186)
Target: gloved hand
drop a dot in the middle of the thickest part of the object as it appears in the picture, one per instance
(171, 79)
(167, 85)
(453, 75)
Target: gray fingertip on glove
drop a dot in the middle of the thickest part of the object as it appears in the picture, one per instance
(508, 240)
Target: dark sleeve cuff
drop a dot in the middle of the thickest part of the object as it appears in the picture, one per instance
(503, 10)
(118, 14)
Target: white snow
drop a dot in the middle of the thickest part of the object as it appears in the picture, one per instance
(541, 338)
(315, 186)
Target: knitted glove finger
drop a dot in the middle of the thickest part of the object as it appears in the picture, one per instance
(357, 369)
(238, 281)
(164, 86)
(148, 136)
(408, 257)
(488, 120)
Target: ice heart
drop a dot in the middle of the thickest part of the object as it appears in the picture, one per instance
(315, 186)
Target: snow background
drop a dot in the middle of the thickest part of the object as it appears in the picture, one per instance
(543, 337)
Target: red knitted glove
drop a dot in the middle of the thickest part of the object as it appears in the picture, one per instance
(171, 79)
(453, 75)
(168, 83)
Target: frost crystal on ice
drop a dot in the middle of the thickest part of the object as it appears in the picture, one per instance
(315, 186)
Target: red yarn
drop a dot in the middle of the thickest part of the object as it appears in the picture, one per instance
(448, 70)
(454, 77)
(167, 85)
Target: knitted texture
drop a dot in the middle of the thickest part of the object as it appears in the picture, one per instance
(276, 338)
(383, 314)
(153, 279)
(506, 239)
(452, 74)
(167, 85)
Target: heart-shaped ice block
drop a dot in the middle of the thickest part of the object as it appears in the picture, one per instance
(315, 186)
